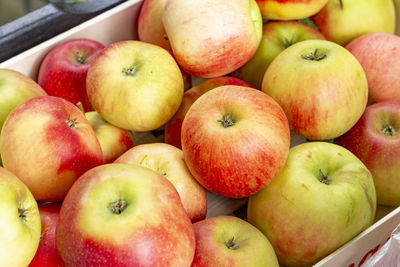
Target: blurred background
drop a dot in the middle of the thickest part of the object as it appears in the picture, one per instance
(13, 9)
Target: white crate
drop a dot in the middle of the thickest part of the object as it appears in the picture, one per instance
(119, 23)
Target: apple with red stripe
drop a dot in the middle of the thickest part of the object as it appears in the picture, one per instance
(235, 140)
(124, 215)
(48, 143)
(168, 161)
(217, 42)
(113, 141)
(63, 70)
(174, 125)
(46, 254)
(289, 9)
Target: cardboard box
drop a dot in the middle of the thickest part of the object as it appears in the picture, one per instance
(119, 24)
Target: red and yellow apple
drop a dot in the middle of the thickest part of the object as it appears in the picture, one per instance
(289, 9)
(48, 143)
(19, 221)
(341, 21)
(113, 141)
(379, 55)
(174, 125)
(135, 85)
(235, 140)
(277, 36)
(124, 215)
(323, 197)
(210, 38)
(230, 241)
(63, 70)
(375, 141)
(321, 87)
(46, 254)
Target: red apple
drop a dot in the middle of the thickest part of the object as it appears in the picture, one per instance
(230, 241)
(48, 143)
(124, 215)
(46, 254)
(289, 9)
(64, 69)
(235, 140)
(168, 161)
(210, 38)
(174, 125)
(375, 140)
(379, 55)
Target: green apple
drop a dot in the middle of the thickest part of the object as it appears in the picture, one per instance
(230, 241)
(277, 36)
(113, 141)
(341, 21)
(321, 87)
(323, 197)
(19, 221)
(135, 85)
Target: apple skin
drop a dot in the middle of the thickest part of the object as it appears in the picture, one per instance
(230, 241)
(46, 254)
(321, 87)
(135, 85)
(63, 70)
(168, 161)
(19, 220)
(150, 27)
(344, 20)
(174, 125)
(277, 36)
(48, 143)
(235, 140)
(153, 228)
(220, 40)
(375, 52)
(305, 219)
(375, 141)
(289, 9)
(113, 141)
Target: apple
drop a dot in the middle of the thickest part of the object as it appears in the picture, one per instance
(323, 197)
(379, 55)
(113, 141)
(47, 143)
(15, 88)
(277, 36)
(376, 142)
(168, 161)
(63, 70)
(230, 241)
(173, 128)
(46, 254)
(150, 27)
(321, 87)
(124, 215)
(19, 220)
(341, 21)
(135, 85)
(289, 9)
(210, 38)
(235, 140)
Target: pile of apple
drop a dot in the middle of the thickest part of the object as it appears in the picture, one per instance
(76, 191)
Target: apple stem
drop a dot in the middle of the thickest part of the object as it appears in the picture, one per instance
(71, 123)
(231, 244)
(80, 58)
(21, 213)
(286, 42)
(117, 207)
(388, 130)
(323, 178)
(316, 56)
(80, 106)
(130, 71)
(341, 4)
(227, 120)
(165, 37)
